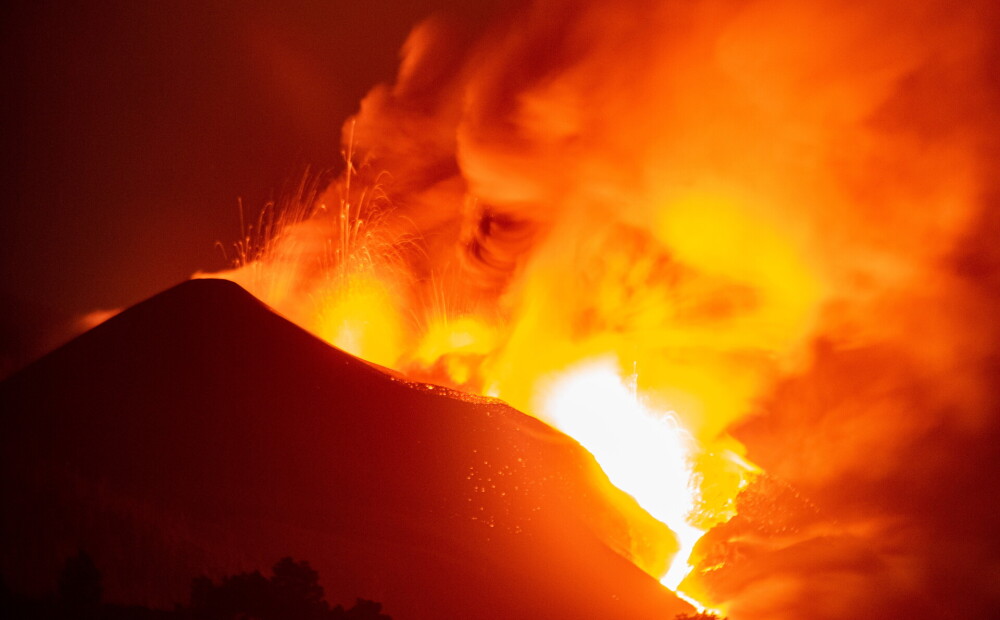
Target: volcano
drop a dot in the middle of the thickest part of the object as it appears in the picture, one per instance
(199, 432)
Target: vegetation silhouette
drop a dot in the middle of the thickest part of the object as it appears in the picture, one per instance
(78, 593)
(292, 592)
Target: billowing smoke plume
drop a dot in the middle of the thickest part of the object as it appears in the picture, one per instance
(782, 214)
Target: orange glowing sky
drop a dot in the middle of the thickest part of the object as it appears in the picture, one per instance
(785, 215)
(781, 214)
(129, 132)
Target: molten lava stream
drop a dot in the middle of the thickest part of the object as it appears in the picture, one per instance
(356, 292)
(681, 481)
(644, 453)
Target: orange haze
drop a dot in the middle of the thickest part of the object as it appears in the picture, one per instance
(772, 217)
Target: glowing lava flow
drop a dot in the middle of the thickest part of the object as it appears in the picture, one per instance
(643, 453)
(684, 476)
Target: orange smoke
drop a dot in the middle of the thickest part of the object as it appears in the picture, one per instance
(745, 203)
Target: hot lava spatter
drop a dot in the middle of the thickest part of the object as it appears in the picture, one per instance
(352, 292)
(762, 206)
(646, 453)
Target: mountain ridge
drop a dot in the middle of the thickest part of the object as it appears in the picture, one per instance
(219, 436)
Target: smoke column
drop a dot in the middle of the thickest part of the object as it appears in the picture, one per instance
(784, 214)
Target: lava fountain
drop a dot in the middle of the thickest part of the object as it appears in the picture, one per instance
(635, 221)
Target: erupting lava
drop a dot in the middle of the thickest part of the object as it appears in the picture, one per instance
(350, 293)
(645, 454)
(702, 197)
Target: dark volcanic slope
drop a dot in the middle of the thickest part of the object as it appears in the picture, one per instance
(199, 432)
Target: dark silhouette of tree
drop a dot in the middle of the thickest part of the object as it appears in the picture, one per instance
(241, 595)
(362, 610)
(295, 590)
(202, 593)
(79, 588)
(292, 592)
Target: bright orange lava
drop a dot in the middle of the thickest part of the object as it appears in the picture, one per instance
(631, 228)
(678, 467)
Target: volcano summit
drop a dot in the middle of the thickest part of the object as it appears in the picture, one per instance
(200, 433)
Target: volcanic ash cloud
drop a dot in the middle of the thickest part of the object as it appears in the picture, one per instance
(781, 214)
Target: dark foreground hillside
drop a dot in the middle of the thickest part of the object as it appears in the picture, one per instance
(200, 433)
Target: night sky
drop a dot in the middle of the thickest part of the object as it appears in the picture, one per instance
(132, 130)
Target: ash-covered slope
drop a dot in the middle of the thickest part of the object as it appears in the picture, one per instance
(199, 432)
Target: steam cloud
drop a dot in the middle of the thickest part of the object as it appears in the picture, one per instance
(785, 212)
